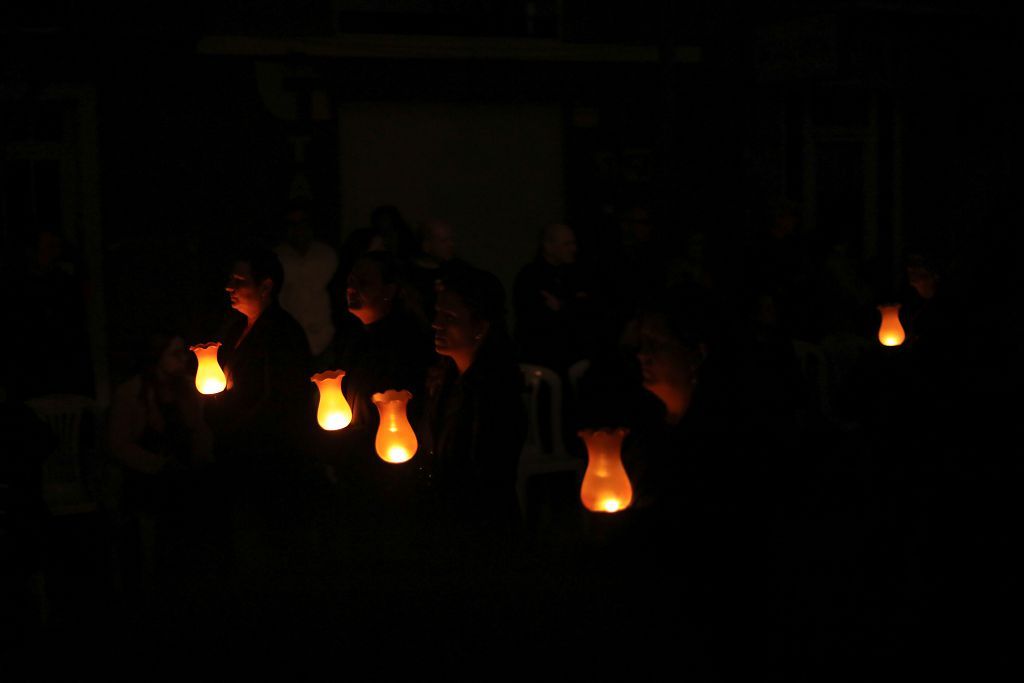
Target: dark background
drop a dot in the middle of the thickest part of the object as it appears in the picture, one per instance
(892, 125)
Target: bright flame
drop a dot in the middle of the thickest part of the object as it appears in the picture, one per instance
(334, 412)
(610, 505)
(332, 422)
(396, 440)
(210, 379)
(212, 386)
(397, 454)
(891, 340)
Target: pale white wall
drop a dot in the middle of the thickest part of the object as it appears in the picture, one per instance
(493, 171)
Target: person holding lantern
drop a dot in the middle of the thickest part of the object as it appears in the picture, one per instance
(266, 359)
(261, 426)
(386, 349)
(665, 461)
(556, 304)
(702, 480)
(476, 422)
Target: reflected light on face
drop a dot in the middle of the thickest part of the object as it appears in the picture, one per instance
(245, 295)
(664, 360)
(368, 298)
(454, 331)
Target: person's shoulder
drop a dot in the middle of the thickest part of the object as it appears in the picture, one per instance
(279, 323)
(128, 391)
(287, 323)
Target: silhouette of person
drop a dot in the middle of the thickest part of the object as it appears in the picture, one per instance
(437, 252)
(157, 434)
(476, 423)
(388, 348)
(266, 359)
(262, 425)
(554, 302)
(309, 265)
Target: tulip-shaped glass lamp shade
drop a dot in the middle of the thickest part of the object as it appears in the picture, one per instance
(396, 441)
(891, 333)
(210, 378)
(333, 412)
(606, 486)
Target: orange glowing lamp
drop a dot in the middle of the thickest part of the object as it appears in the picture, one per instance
(334, 412)
(210, 378)
(606, 486)
(396, 441)
(891, 333)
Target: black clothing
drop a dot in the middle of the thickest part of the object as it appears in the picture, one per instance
(476, 426)
(392, 353)
(269, 487)
(555, 339)
(376, 498)
(157, 493)
(266, 414)
(699, 543)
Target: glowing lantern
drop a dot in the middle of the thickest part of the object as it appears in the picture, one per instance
(210, 378)
(891, 332)
(333, 412)
(606, 486)
(396, 442)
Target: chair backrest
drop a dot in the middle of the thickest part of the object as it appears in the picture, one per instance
(543, 398)
(64, 413)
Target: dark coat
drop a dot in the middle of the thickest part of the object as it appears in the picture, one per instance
(266, 414)
(475, 429)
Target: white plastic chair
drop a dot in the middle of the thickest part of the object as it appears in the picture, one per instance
(536, 458)
(64, 483)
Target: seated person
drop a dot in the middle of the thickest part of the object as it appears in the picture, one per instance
(157, 434)
(436, 254)
(155, 424)
(556, 304)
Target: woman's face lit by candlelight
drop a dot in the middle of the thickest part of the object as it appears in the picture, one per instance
(669, 366)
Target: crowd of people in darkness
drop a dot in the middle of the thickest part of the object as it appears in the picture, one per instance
(789, 473)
